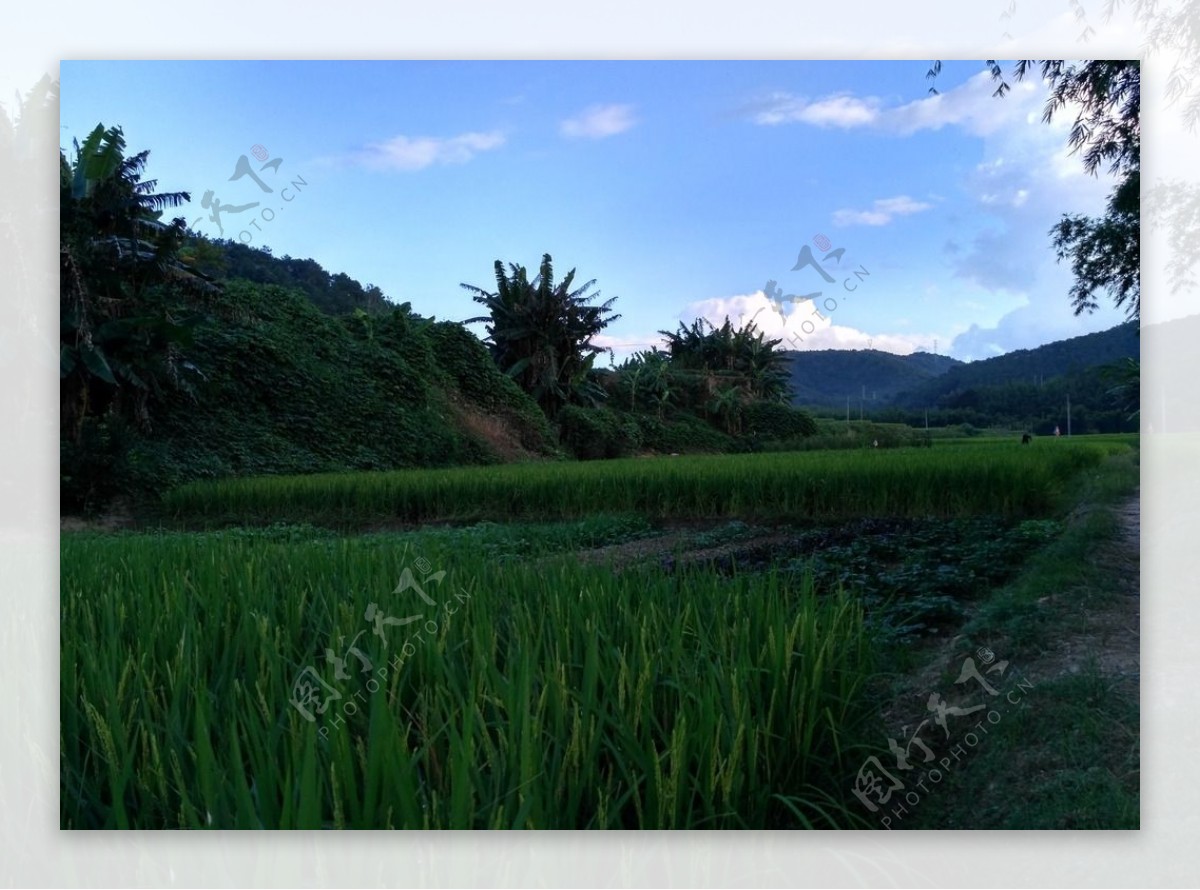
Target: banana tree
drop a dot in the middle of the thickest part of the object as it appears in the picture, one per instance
(540, 333)
(124, 326)
(726, 404)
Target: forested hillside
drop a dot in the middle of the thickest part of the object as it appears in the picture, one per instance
(1023, 389)
(827, 377)
(280, 387)
(1033, 366)
(335, 293)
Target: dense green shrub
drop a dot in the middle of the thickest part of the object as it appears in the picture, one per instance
(682, 435)
(594, 433)
(768, 421)
(838, 434)
(96, 469)
(290, 389)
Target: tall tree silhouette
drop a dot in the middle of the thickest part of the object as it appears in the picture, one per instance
(541, 333)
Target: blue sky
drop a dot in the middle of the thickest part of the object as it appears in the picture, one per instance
(681, 187)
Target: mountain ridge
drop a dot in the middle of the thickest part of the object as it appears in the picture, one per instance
(832, 377)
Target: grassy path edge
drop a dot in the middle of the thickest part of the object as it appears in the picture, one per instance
(1068, 757)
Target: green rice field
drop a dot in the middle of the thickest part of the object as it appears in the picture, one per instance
(219, 673)
(995, 477)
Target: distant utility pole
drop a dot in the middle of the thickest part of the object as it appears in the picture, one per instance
(1068, 415)
(926, 420)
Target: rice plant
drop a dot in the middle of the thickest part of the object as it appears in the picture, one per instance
(548, 696)
(996, 478)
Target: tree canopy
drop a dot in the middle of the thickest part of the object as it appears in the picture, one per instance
(541, 333)
(124, 331)
(744, 354)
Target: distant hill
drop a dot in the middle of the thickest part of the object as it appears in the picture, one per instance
(1034, 366)
(1027, 388)
(826, 377)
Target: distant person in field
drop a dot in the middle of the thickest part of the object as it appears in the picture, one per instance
(1026, 439)
(1057, 432)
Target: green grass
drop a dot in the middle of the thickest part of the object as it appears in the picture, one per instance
(997, 478)
(1064, 582)
(1069, 757)
(552, 697)
(1066, 758)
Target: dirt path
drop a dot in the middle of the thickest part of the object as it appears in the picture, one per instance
(1113, 635)
(1110, 636)
(118, 517)
(1131, 517)
(1124, 642)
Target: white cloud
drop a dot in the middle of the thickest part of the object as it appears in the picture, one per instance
(408, 154)
(971, 106)
(882, 212)
(1006, 245)
(1041, 320)
(598, 122)
(1014, 199)
(840, 110)
(624, 347)
(800, 326)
